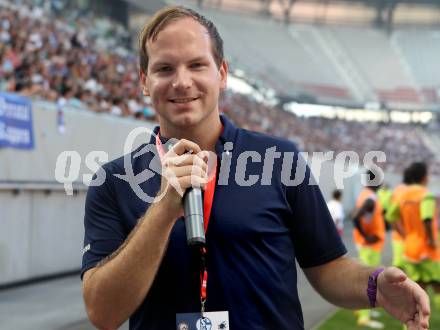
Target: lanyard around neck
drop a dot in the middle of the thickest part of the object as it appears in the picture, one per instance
(208, 198)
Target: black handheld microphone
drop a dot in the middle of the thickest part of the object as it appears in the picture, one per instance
(193, 213)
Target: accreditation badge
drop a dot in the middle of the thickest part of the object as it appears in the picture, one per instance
(209, 321)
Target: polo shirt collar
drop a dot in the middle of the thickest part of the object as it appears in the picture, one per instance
(228, 134)
(229, 130)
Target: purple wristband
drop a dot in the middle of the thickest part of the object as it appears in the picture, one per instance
(372, 286)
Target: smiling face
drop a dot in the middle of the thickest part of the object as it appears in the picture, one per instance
(182, 77)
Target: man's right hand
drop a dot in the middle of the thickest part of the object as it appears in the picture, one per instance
(185, 165)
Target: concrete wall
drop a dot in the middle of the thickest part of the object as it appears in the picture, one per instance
(40, 234)
(85, 132)
(41, 228)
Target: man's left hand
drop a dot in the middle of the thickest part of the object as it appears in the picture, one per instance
(403, 299)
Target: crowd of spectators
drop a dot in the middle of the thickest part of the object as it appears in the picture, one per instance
(77, 61)
(402, 143)
(53, 58)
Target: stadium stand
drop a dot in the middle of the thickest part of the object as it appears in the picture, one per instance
(421, 50)
(42, 61)
(400, 142)
(295, 55)
(334, 64)
(50, 59)
(377, 61)
(68, 58)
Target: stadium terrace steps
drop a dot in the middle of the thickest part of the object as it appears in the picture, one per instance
(421, 49)
(292, 55)
(335, 63)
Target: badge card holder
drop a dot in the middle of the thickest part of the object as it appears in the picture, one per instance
(203, 320)
(207, 321)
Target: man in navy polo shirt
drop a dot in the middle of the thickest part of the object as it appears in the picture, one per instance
(136, 261)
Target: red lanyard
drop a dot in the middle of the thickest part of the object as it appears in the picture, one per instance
(208, 198)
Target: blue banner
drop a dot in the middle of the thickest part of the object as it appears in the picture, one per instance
(16, 129)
